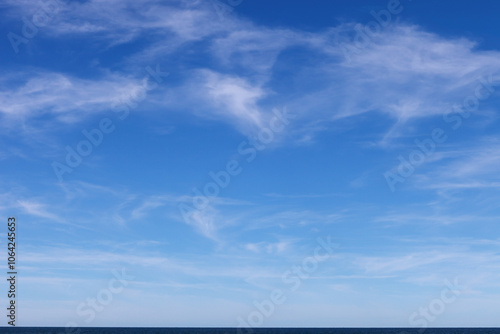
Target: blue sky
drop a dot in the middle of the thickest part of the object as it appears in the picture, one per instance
(205, 148)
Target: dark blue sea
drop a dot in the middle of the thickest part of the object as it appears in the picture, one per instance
(121, 330)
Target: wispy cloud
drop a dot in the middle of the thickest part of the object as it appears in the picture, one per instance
(424, 76)
(38, 209)
(471, 167)
(269, 247)
(66, 98)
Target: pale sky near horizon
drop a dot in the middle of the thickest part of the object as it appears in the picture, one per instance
(186, 162)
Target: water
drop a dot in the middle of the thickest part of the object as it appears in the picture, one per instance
(116, 330)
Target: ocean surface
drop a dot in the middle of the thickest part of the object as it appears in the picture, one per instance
(116, 330)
